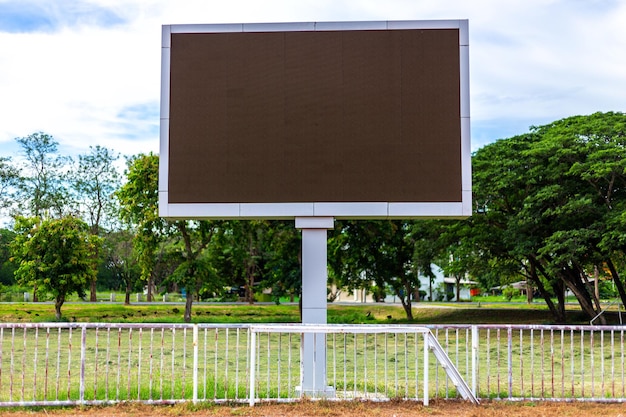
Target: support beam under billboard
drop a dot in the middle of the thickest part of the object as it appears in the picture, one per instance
(314, 304)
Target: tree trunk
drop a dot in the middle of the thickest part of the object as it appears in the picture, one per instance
(560, 296)
(585, 283)
(406, 302)
(58, 303)
(458, 289)
(408, 309)
(596, 282)
(529, 292)
(188, 304)
(430, 290)
(573, 281)
(93, 297)
(250, 282)
(618, 282)
(250, 270)
(127, 294)
(149, 292)
(92, 291)
(558, 311)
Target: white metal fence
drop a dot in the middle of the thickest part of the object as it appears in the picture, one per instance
(535, 362)
(63, 364)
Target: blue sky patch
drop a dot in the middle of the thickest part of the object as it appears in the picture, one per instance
(23, 17)
(139, 121)
(37, 16)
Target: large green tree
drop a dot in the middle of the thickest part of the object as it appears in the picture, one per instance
(139, 198)
(553, 200)
(56, 255)
(159, 242)
(95, 181)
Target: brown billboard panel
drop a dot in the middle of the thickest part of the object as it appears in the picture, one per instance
(347, 120)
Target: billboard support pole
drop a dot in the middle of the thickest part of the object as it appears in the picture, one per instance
(314, 299)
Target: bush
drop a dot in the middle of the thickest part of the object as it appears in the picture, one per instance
(510, 292)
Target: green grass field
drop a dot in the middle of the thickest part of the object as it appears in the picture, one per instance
(430, 313)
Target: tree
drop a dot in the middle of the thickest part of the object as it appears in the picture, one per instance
(580, 160)
(139, 198)
(551, 199)
(7, 269)
(121, 260)
(195, 270)
(349, 252)
(42, 188)
(9, 180)
(424, 236)
(95, 181)
(379, 252)
(248, 236)
(505, 230)
(240, 253)
(55, 254)
(155, 239)
(282, 266)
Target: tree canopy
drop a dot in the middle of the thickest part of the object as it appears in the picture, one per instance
(55, 254)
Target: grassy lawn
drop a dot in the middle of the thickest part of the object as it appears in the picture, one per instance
(430, 313)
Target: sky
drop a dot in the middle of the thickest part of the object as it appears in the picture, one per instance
(88, 72)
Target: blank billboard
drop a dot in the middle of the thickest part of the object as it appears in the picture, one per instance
(349, 120)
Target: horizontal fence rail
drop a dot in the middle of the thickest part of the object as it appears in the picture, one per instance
(96, 363)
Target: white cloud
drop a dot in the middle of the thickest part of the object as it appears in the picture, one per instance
(74, 83)
(531, 61)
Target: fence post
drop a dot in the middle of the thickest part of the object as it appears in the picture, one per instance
(252, 365)
(475, 340)
(83, 353)
(510, 360)
(195, 363)
(426, 367)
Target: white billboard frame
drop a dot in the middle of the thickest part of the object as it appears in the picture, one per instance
(339, 210)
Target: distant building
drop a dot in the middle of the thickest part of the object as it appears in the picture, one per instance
(443, 288)
(352, 296)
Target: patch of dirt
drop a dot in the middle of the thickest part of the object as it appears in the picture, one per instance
(337, 409)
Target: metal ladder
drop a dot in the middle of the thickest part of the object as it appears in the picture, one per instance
(451, 371)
